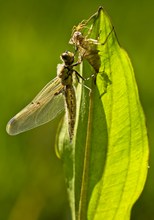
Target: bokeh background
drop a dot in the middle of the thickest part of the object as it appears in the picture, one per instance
(33, 33)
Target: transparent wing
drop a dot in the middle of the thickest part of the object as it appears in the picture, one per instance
(44, 107)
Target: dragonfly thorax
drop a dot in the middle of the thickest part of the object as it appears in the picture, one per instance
(65, 74)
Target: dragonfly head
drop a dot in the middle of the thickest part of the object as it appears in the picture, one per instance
(67, 57)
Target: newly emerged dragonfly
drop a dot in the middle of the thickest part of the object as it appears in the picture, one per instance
(57, 95)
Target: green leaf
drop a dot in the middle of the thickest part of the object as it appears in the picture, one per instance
(106, 163)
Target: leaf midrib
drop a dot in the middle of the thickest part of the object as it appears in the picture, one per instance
(83, 196)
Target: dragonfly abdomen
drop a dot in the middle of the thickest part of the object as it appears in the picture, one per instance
(70, 100)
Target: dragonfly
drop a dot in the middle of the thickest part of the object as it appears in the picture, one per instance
(58, 95)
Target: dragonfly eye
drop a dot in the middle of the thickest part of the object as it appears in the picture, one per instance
(67, 57)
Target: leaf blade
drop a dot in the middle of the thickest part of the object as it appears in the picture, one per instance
(126, 131)
(109, 152)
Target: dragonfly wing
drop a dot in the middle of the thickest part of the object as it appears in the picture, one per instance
(44, 107)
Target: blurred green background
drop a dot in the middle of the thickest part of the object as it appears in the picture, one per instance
(32, 36)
